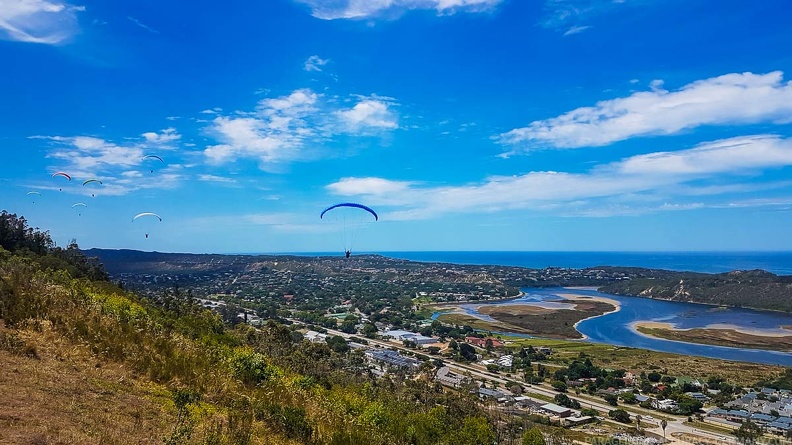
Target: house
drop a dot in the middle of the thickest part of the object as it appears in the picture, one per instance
(556, 410)
(640, 398)
(485, 393)
(629, 378)
(315, 337)
(545, 350)
(664, 405)
(576, 421)
(444, 376)
(698, 396)
(482, 342)
(762, 419)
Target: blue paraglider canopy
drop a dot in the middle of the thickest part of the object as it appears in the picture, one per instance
(350, 204)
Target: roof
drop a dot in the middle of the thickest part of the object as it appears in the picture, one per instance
(553, 408)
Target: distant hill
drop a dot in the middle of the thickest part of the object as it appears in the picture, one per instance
(752, 288)
(755, 289)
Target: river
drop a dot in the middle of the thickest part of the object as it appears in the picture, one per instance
(616, 328)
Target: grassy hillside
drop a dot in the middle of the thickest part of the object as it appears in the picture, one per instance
(86, 362)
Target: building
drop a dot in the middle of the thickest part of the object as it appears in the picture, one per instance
(444, 376)
(482, 342)
(664, 405)
(387, 357)
(418, 339)
(698, 396)
(556, 410)
(576, 421)
(315, 337)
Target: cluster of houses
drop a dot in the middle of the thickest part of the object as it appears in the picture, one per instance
(769, 408)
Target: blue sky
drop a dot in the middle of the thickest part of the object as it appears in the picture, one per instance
(467, 124)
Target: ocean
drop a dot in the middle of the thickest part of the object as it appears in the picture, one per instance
(779, 263)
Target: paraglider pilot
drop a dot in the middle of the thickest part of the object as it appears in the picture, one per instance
(348, 253)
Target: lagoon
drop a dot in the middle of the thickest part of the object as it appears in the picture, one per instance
(616, 328)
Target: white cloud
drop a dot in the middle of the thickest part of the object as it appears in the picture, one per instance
(729, 99)
(367, 186)
(740, 154)
(114, 164)
(367, 115)
(163, 137)
(620, 187)
(142, 25)
(569, 15)
(217, 179)
(575, 30)
(315, 63)
(280, 128)
(38, 21)
(364, 9)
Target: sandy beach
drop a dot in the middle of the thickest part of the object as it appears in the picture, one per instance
(781, 332)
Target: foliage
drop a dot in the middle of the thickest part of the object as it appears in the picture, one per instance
(748, 432)
(619, 415)
(533, 436)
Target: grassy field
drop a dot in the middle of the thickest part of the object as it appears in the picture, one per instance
(637, 360)
(62, 394)
(553, 323)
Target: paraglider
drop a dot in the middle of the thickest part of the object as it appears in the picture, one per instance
(155, 157)
(79, 204)
(351, 217)
(141, 215)
(90, 181)
(34, 193)
(65, 175)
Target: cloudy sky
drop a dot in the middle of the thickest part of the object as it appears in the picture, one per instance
(616, 125)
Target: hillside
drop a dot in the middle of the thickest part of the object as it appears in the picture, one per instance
(755, 289)
(87, 362)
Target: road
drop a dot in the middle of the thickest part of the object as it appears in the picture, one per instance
(674, 427)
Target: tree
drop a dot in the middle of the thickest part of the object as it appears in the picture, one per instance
(369, 330)
(748, 432)
(453, 344)
(559, 386)
(337, 344)
(612, 399)
(654, 377)
(467, 352)
(629, 397)
(533, 436)
(619, 415)
(589, 412)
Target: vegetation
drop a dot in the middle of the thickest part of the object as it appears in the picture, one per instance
(762, 289)
(217, 384)
(533, 437)
(748, 433)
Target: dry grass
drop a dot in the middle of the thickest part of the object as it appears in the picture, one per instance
(66, 396)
